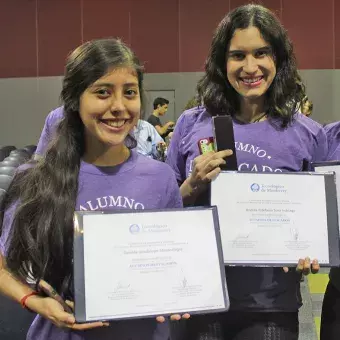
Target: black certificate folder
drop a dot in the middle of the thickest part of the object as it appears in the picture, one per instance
(332, 167)
(144, 263)
(274, 219)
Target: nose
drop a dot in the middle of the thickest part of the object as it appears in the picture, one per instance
(117, 104)
(250, 65)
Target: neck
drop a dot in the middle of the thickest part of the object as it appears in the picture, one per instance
(251, 110)
(155, 113)
(103, 155)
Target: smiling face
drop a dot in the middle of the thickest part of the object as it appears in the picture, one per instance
(250, 65)
(110, 108)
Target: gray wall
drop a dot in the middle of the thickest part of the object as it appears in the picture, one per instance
(323, 88)
(25, 102)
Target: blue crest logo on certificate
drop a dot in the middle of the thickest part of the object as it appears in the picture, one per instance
(255, 187)
(134, 228)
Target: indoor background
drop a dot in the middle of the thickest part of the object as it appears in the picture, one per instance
(171, 37)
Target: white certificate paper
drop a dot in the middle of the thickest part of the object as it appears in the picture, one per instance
(271, 218)
(151, 263)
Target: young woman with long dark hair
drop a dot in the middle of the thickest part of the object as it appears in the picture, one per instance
(89, 165)
(251, 75)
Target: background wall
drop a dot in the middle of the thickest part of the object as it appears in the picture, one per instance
(171, 37)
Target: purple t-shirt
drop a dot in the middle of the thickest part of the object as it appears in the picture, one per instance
(51, 123)
(139, 183)
(260, 147)
(333, 137)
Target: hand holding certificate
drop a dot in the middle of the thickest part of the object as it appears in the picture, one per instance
(206, 167)
(306, 266)
(60, 311)
(148, 264)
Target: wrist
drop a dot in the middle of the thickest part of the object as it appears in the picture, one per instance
(25, 297)
(190, 184)
(33, 303)
(189, 190)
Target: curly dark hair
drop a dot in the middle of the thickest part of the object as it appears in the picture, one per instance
(287, 89)
(41, 235)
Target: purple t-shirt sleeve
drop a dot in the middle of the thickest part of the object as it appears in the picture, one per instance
(333, 137)
(175, 157)
(173, 198)
(45, 137)
(335, 155)
(320, 147)
(47, 134)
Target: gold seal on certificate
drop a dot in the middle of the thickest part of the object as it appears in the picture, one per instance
(148, 263)
(277, 218)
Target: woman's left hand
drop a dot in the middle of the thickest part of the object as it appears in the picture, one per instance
(305, 266)
(174, 317)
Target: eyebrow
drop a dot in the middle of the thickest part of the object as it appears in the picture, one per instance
(113, 85)
(261, 49)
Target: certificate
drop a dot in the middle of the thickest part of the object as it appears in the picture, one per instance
(332, 166)
(148, 263)
(276, 219)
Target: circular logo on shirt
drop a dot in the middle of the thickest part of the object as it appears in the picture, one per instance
(134, 229)
(255, 187)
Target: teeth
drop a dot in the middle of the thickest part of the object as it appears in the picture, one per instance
(251, 80)
(115, 123)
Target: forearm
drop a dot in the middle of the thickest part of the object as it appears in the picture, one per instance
(16, 290)
(10, 285)
(189, 194)
(162, 130)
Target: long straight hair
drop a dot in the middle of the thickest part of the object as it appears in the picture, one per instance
(287, 89)
(41, 237)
